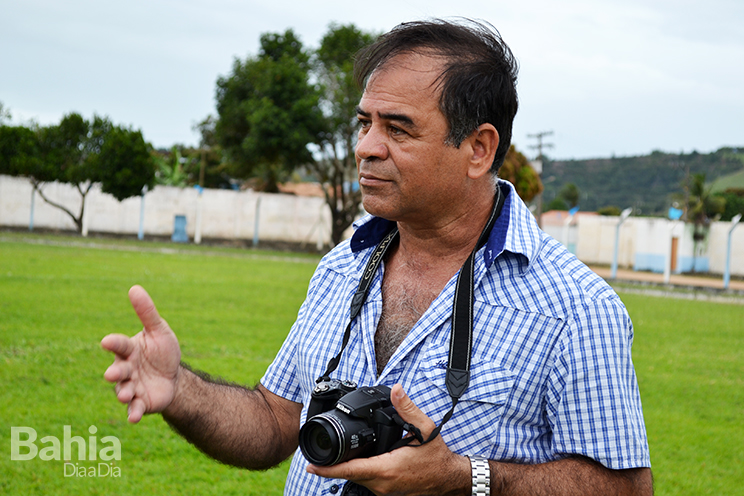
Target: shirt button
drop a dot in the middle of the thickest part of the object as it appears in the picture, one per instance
(334, 489)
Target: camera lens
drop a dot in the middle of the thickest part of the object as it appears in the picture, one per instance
(319, 441)
(322, 440)
(334, 437)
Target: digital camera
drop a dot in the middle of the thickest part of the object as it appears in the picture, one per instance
(345, 423)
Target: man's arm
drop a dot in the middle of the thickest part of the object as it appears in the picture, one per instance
(572, 476)
(434, 469)
(254, 429)
(236, 425)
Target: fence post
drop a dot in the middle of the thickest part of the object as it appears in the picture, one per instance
(727, 271)
(623, 215)
(199, 200)
(255, 221)
(141, 232)
(31, 219)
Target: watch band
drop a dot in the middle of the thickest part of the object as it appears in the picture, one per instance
(481, 473)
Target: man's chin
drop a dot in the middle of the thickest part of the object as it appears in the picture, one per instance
(377, 206)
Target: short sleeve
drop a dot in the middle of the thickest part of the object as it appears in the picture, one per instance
(594, 404)
(281, 377)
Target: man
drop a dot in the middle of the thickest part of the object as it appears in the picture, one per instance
(552, 403)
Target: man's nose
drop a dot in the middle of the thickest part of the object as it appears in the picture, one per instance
(372, 144)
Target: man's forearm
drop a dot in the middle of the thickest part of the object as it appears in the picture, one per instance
(231, 423)
(568, 477)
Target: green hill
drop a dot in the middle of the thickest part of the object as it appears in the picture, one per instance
(647, 182)
(729, 181)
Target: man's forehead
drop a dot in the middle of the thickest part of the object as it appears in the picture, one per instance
(405, 80)
(421, 63)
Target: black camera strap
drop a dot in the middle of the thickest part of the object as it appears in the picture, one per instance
(361, 294)
(461, 339)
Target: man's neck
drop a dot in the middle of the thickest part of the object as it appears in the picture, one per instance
(445, 241)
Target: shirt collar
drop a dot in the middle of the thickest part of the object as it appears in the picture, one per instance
(510, 233)
(369, 232)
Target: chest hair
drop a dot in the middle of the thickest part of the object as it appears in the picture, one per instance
(404, 301)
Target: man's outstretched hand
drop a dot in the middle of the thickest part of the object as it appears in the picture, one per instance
(146, 367)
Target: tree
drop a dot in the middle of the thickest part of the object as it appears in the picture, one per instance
(183, 166)
(702, 207)
(517, 170)
(170, 167)
(568, 198)
(609, 210)
(66, 152)
(557, 203)
(80, 153)
(4, 114)
(269, 111)
(570, 193)
(123, 165)
(209, 158)
(336, 170)
(19, 150)
(734, 202)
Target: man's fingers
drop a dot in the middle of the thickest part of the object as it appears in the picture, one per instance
(118, 343)
(136, 410)
(145, 309)
(357, 469)
(125, 391)
(119, 371)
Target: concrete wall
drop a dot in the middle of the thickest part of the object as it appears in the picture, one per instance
(225, 214)
(556, 223)
(716, 249)
(645, 243)
(596, 240)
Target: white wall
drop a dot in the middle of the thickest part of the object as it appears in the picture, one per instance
(644, 242)
(596, 240)
(719, 234)
(226, 214)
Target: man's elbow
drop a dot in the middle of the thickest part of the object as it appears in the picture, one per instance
(641, 481)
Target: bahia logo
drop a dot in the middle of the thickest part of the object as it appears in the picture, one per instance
(51, 449)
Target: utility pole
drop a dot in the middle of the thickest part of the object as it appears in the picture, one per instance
(685, 166)
(537, 164)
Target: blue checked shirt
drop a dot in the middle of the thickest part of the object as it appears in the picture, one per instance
(551, 372)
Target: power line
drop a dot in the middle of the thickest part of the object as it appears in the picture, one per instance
(540, 144)
(538, 166)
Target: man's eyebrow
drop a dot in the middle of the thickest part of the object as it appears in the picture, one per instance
(389, 116)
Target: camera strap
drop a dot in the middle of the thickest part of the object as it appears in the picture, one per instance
(361, 294)
(461, 339)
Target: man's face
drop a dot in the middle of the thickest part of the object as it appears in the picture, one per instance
(406, 171)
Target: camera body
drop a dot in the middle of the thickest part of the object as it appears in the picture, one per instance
(326, 394)
(345, 423)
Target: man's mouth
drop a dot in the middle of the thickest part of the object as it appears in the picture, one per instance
(371, 180)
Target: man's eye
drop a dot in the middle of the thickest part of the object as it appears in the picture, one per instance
(396, 131)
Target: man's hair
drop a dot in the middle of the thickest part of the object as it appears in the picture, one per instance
(478, 83)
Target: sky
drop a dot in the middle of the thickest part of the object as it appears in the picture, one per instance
(606, 77)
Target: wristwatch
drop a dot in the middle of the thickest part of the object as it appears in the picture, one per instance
(481, 473)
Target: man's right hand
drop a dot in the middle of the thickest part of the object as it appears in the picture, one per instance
(146, 367)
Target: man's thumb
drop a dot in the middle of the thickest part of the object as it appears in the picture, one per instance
(409, 412)
(145, 309)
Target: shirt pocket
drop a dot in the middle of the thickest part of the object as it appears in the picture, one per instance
(474, 424)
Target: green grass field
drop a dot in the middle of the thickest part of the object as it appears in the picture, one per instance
(231, 310)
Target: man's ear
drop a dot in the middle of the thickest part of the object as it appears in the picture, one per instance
(484, 141)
